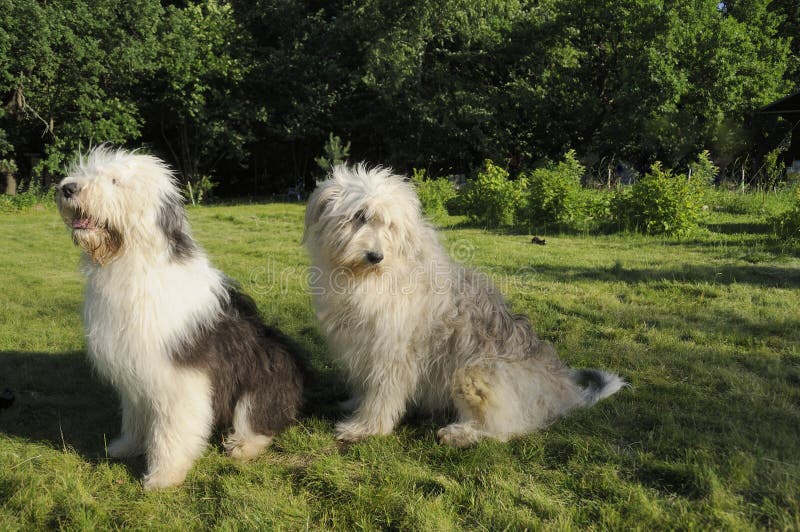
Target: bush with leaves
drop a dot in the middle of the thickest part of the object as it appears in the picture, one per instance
(787, 224)
(595, 209)
(434, 194)
(198, 191)
(553, 196)
(491, 199)
(704, 169)
(773, 169)
(30, 197)
(660, 203)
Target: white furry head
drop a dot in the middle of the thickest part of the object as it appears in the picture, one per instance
(115, 201)
(362, 219)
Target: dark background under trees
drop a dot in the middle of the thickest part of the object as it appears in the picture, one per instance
(247, 92)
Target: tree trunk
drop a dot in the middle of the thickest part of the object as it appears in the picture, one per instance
(11, 184)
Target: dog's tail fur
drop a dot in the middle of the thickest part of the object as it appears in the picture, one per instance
(597, 384)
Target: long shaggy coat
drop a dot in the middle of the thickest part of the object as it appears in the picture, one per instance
(185, 349)
(411, 327)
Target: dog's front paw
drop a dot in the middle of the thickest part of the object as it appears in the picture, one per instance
(458, 435)
(124, 447)
(164, 478)
(352, 431)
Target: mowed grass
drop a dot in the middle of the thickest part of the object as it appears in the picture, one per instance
(706, 329)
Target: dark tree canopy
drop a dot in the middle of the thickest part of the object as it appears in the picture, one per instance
(247, 92)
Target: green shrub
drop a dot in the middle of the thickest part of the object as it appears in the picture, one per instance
(434, 194)
(595, 209)
(455, 206)
(492, 199)
(773, 170)
(21, 201)
(660, 203)
(198, 191)
(787, 224)
(553, 196)
(704, 169)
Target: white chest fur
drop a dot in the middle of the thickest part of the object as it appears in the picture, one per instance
(136, 313)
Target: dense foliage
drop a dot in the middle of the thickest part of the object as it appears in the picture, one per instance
(246, 93)
(703, 169)
(787, 224)
(660, 202)
(434, 194)
(553, 195)
(492, 199)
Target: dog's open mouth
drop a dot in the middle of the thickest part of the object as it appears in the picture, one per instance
(83, 223)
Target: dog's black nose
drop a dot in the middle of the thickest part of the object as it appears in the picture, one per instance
(374, 257)
(69, 190)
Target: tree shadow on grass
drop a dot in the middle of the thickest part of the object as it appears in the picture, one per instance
(765, 276)
(670, 422)
(736, 228)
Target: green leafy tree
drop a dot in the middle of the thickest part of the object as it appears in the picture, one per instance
(789, 28)
(243, 93)
(72, 75)
(303, 66)
(630, 79)
(198, 106)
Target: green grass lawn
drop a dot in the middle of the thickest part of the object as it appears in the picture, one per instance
(707, 329)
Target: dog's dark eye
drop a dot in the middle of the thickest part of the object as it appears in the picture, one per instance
(114, 181)
(361, 217)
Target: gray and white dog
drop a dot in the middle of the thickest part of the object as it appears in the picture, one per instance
(412, 327)
(183, 347)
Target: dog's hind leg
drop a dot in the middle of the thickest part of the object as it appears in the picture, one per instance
(182, 421)
(473, 398)
(505, 398)
(245, 443)
(501, 399)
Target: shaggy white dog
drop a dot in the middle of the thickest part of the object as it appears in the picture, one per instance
(183, 347)
(411, 327)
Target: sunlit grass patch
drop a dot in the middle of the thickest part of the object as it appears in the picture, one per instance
(707, 330)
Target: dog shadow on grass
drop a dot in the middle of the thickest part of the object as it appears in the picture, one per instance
(59, 401)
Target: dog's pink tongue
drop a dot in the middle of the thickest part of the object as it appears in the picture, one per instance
(81, 223)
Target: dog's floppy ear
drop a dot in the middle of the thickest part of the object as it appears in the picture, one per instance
(317, 204)
(172, 221)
